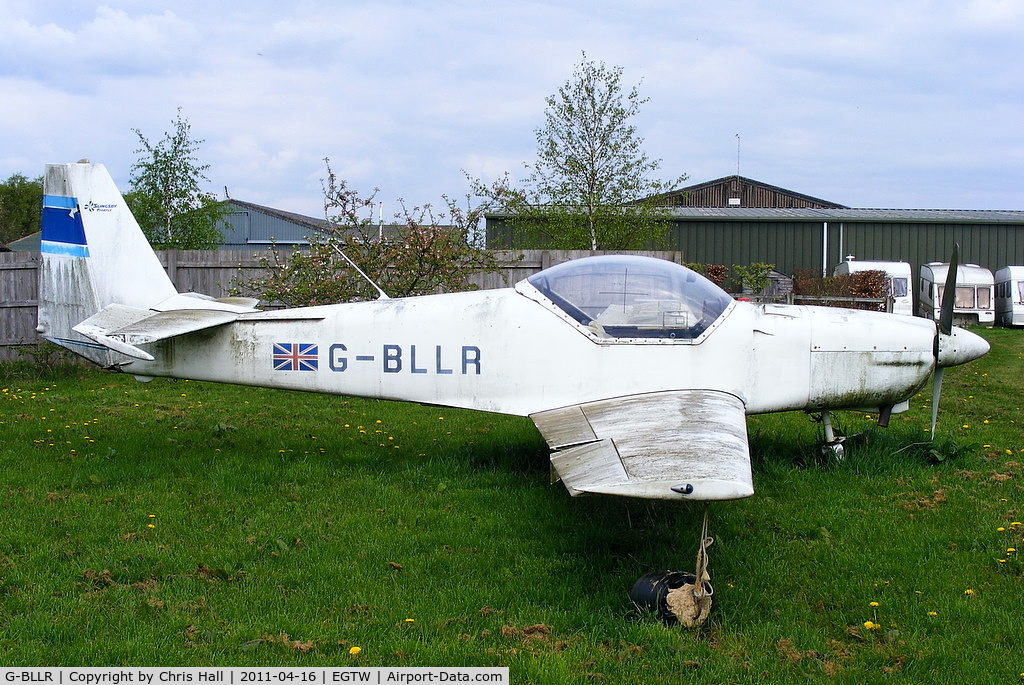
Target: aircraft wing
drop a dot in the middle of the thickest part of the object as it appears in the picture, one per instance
(683, 444)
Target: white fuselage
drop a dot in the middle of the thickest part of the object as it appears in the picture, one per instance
(511, 351)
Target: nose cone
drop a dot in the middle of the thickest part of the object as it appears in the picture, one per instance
(960, 347)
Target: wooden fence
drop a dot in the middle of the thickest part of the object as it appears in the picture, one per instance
(212, 272)
(19, 290)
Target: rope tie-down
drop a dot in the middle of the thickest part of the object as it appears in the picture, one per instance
(679, 597)
(691, 602)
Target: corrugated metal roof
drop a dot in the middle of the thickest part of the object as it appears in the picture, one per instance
(29, 243)
(290, 217)
(959, 216)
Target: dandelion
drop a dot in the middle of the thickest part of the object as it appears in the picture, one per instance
(871, 625)
(1000, 529)
(354, 650)
(933, 614)
(150, 525)
(410, 620)
(873, 604)
(1011, 550)
(968, 592)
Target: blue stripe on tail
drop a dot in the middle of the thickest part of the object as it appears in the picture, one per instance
(63, 232)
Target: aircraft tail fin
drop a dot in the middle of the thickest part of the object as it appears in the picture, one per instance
(93, 255)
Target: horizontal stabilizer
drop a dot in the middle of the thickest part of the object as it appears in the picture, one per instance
(245, 302)
(114, 317)
(685, 444)
(123, 328)
(238, 305)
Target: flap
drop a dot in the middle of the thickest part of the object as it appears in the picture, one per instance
(684, 444)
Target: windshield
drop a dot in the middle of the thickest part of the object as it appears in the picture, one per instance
(633, 297)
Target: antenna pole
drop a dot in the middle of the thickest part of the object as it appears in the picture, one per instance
(737, 154)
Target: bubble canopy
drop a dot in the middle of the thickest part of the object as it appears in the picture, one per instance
(624, 296)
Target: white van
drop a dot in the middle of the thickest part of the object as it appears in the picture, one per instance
(899, 277)
(974, 304)
(1010, 296)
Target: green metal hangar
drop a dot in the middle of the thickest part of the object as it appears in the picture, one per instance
(737, 220)
(804, 239)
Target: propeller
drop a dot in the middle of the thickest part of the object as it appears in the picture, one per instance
(953, 346)
(944, 328)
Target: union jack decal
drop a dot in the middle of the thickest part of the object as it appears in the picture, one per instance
(295, 357)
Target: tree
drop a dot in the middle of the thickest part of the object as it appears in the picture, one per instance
(756, 276)
(21, 202)
(426, 252)
(590, 186)
(165, 195)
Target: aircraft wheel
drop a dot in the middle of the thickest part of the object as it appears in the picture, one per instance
(834, 449)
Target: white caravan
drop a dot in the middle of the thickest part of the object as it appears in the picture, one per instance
(973, 304)
(898, 275)
(1010, 296)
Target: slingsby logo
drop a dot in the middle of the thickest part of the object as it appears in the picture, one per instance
(93, 207)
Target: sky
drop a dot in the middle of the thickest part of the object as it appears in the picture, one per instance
(874, 104)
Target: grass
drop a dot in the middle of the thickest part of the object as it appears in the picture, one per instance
(191, 524)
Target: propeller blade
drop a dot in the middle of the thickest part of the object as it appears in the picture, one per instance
(944, 327)
(949, 293)
(936, 392)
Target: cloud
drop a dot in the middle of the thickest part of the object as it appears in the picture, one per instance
(856, 102)
(111, 45)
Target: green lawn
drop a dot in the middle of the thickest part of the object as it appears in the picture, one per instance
(191, 524)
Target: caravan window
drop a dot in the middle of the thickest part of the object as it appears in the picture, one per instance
(899, 287)
(964, 296)
(1020, 291)
(984, 298)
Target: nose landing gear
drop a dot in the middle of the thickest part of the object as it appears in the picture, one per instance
(833, 446)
